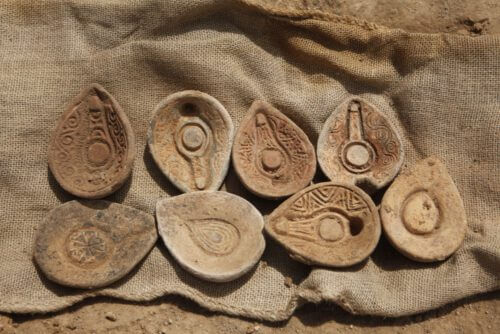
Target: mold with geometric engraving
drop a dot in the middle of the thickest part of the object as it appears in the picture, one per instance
(92, 149)
(190, 139)
(423, 214)
(329, 224)
(358, 145)
(214, 235)
(272, 156)
(91, 244)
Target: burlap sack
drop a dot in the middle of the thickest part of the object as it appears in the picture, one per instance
(441, 91)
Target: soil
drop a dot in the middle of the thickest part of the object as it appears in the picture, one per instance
(176, 315)
(430, 16)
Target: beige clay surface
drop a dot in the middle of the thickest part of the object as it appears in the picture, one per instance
(422, 213)
(190, 139)
(92, 148)
(216, 236)
(91, 244)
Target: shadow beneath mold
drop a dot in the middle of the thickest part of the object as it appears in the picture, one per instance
(61, 194)
(58, 290)
(233, 185)
(121, 193)
(277, 258)
(349, 269)
(156, 174)
(387, 258)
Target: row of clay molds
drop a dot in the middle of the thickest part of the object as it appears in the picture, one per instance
(337, 225)
(190, 140)
(92, 149)
(214, 235)
(191, 137)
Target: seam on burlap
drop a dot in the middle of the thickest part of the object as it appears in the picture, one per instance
(309, 11)
(314, 296)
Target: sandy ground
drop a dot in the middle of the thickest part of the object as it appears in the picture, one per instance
(173, 314)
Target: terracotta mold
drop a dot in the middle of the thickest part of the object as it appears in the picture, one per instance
(190, 139)
(328, 224)
(91, 244)
(272, 156)
(214, 235)
(92, 149)
(358, 145)
(422, 213)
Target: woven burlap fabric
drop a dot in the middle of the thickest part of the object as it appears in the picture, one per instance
(441, 91)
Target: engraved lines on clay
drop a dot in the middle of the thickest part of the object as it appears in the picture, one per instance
(271, 148)
(193, 142)
(324, 198)
(214, 236)
(323, 215)
(290, 139)
(87, 248)
(329, 224)
(357, 154)
(214, 244)
(335, 137)
(378, 131)
(272, 159)
(272, 156)
(325, 229)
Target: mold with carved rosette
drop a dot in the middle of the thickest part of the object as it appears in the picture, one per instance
(190, 139)
(91, 244)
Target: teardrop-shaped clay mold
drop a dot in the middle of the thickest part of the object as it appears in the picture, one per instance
(214, 235)
(92, 149)
(271, 155)
(190, 139)
(91, 244)
(358, 145)
(329, 224)
(422, 213)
